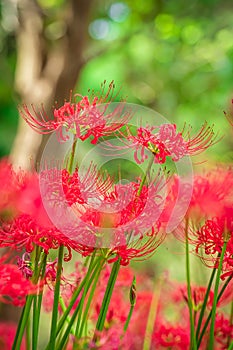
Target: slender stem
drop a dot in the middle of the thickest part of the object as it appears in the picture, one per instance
(214, 307)
(90, 299)
(36, 264)
(28, 334)
(203, 308)
(81, 304)
(63, 306)
(27, 307)
(107, 297)
(132, 297)
(193, 344)
(76, 311)
(56, 299)
(34, 323)
(146, 174)
(209, 316)
(68, 330)
(63, 319)
(22, 323)
(37, 306)
(231, 346)
(128, 318)
(152, 316)
(19, 326)
(72, 156)
(92, 266)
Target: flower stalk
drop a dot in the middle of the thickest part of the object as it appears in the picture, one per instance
(56, 299)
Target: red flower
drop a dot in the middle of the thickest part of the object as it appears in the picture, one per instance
(29, 198)
(209, 239)
(198, 295)
(223, 330)
(84, 119)
(212, 192)
(169, 336)
(14, 287)
(92, 211)
(10, 188)
(24, 265)
(7, 335)
(164, 141)
(25, 233)
(142, 248)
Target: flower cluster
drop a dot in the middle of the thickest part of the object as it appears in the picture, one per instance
(73, 210)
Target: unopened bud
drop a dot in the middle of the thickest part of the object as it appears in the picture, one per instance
(132, 293)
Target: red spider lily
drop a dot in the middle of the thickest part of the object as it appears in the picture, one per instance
(209, 239)
(24, 265)
(142, 248)
(84, 118)
(171, 336)
(146, 140)
(212, 192)
(25, 233)
(68, 285)
(14, 287)
(223, 330)
(92, 184)
(10, 189)
(7, 335)
(29, 198)
(198, 295)
(95, 211)
(164, 141)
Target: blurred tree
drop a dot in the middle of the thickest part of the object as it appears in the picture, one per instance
(50, 43)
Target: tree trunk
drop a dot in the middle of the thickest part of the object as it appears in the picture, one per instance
(46, 72)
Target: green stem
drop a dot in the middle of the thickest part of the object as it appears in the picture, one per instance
(37, 306)
(56, 299)
(214, 307)
(231, 346)
(34, 323)
(71, 160)
(107, 297)
(92, 266)
(128, 318)
(27, 307)
(68, 329)
(152, 316)
(146, 174)
(36, 264)
(81, 304)
(193, 344)
(63, 307)
(22, 323)
(203, 308)
(132, 297)
(209, 316)
(90, 299)
(28, 335)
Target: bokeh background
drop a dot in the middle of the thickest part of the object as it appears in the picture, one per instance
(174, 56)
